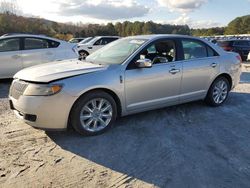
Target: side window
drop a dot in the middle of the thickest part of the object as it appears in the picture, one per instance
(159, 52)
(195, 49)
(211, 52)
(35, 43)
(112, 39)
(106, 41)
(53, 44)
(98, 42)
(12, 44)
(151, 49)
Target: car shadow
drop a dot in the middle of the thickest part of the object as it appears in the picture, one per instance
(174, 146)
(4, 87)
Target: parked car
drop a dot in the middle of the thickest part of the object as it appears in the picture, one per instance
(248, 57)
(235, 45)
(76, 40)
(86, 40)
(94, 44)
(128, 76)
(19, 51)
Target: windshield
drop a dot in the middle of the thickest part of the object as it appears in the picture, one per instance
(86, 40)
(116, 52)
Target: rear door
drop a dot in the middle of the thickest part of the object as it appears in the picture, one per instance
(10, 57)
(200, 66)
(36, 51)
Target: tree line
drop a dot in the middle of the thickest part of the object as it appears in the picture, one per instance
(11, 22)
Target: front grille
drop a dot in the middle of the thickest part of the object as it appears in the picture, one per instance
(17, 88)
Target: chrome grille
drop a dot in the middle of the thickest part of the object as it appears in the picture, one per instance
(17, 88)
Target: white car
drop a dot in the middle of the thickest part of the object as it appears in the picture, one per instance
(94, 44)
(248, 57)
(76, 40)
(18, 51)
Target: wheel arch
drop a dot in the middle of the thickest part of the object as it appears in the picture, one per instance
(227, 76)
(109, 91)
(83, 50)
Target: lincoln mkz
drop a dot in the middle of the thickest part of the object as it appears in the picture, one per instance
(128, 76)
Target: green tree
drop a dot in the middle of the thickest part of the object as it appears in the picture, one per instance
(240, 25)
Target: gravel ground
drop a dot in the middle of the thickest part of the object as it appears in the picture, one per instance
(190, 145)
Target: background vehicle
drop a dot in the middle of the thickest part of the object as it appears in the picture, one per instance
(76, 40)
(130, 75)
(19, 51)
(86, 40)
(248, 57)
(239, 46)
(94, 44)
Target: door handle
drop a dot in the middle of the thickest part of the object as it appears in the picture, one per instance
(16, 56)
(174, 71)
(90, 47)
(214, 65)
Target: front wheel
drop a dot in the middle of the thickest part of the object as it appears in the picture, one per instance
(93, 113)
(218, 92)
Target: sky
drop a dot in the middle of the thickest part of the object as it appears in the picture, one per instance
(195, 13)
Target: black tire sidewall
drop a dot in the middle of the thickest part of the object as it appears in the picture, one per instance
(209, 98)
(81, 102)
(83, 51)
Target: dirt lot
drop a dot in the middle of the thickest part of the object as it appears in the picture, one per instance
(189, 145)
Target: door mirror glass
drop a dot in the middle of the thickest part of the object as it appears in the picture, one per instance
(144, 63)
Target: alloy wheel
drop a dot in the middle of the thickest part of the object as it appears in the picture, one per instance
(220, 92)
(96, 114)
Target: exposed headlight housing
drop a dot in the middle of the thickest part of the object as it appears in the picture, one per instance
(42, 90)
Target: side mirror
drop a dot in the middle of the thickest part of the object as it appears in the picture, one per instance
(144, 63)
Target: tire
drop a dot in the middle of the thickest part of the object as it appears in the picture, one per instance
(215, 90)
(83, 54)
(81, 115)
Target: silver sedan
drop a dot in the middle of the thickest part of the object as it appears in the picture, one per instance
(128, 76)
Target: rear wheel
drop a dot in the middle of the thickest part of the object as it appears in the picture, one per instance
(93, 113)
(218, 92)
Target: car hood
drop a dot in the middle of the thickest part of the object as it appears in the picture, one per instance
(57, 70)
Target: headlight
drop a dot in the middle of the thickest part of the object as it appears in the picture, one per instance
(42, 90)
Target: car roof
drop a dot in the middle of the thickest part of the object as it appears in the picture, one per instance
(162, 36)
(29, 35)
(107, 36)
(78, 38)
(159, 36)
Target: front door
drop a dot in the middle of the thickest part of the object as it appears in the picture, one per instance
(148, 88)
